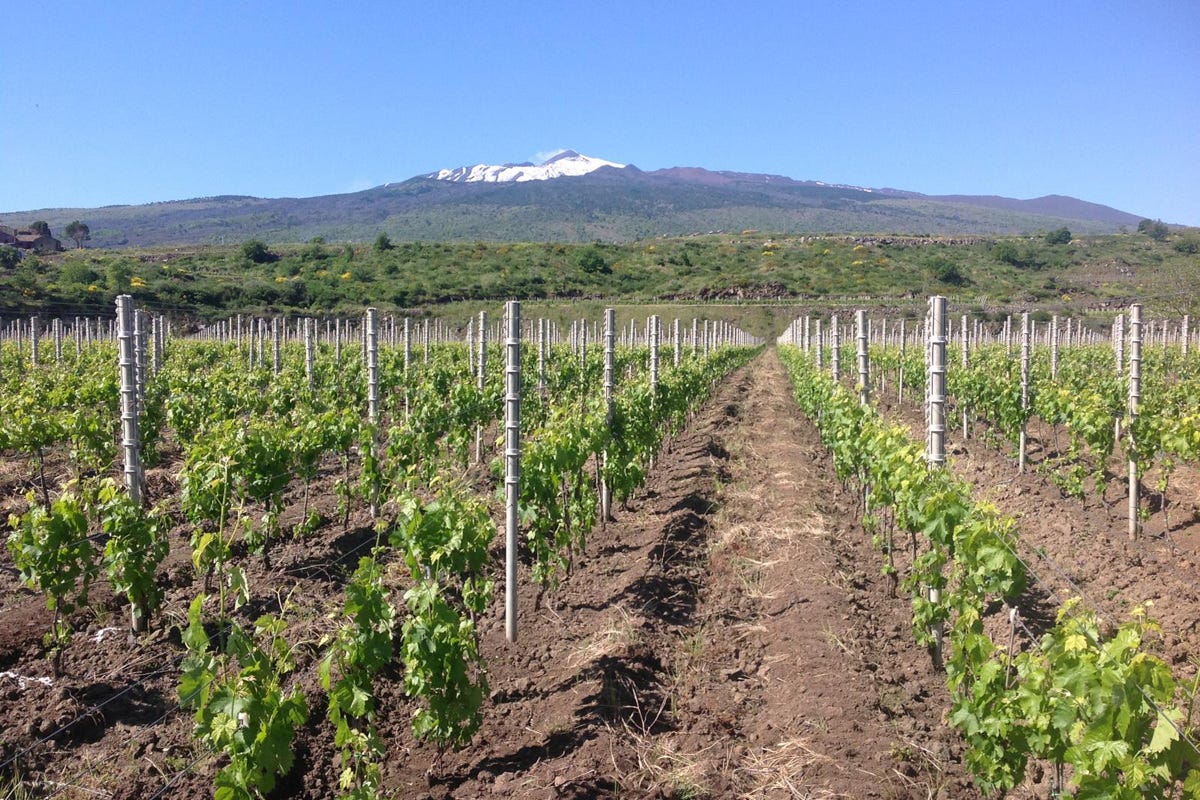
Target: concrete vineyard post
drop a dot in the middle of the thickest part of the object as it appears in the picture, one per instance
(1135, 399)
(512, 463)
(371, 357)
(308, 351)
(131, 440)
(156, 345)
(1118, 343)
(652, 338)
(1025, 345)
(1054, 348)
(900, 370)
(695, 341)
(275, 345)
(820, 347)
(937, 421)
(407, 345)
(541, 356)
(34, 336)
(966, 362)
(835, 343)
(337, 341)
(675, 342)
(371, 333)
(860, 335)
(57, 326)
(583, 339)
(481, 364)
(407, 363)
(1184, 334)
(610, 324)
(471, 346)
(937, 381)
(139, 340)
(262, 342)
(250, 351)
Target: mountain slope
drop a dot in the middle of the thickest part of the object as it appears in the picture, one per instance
(609, 202)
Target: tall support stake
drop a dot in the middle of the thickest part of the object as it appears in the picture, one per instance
(675, 342)
(1185, 334)
(1135, 399)
(936, 454)
(835, 345)
(695, 337)
(820, 346)
(407, 344)
(583, 341)
(156, 344)
(35, 335)
(371, 330)
(966, 362)
(275, 345)
(370, 336)
(1054, 348)
(139, 340)
(512, 464)
(57, 340)
(1025, 345)
(652, 336)
(131, 439)
(481, 363)
(610, 335)
(860, 335)
(541, 355)
(309, 326)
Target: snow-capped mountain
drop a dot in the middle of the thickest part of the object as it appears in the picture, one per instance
(568, 163)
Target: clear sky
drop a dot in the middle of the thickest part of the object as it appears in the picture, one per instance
(134, 102)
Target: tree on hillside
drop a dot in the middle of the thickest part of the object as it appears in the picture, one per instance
(947, 271)
(78, 231)
(1154, 228)
(1059, 236)
(257, 252)
(383, 243)
(591, 260)
(9, 257)
(41, 227)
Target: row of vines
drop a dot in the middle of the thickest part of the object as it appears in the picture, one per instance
(237, 440)
(1108, 716)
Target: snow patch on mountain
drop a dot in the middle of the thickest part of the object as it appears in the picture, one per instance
(565, 164)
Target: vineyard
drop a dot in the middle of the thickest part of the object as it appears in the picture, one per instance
(393, 558)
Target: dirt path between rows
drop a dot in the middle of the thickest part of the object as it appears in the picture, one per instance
(728, 636)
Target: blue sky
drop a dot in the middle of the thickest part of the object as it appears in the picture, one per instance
(127, 102)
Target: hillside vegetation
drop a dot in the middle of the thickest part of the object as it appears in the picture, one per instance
(1090, 273)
